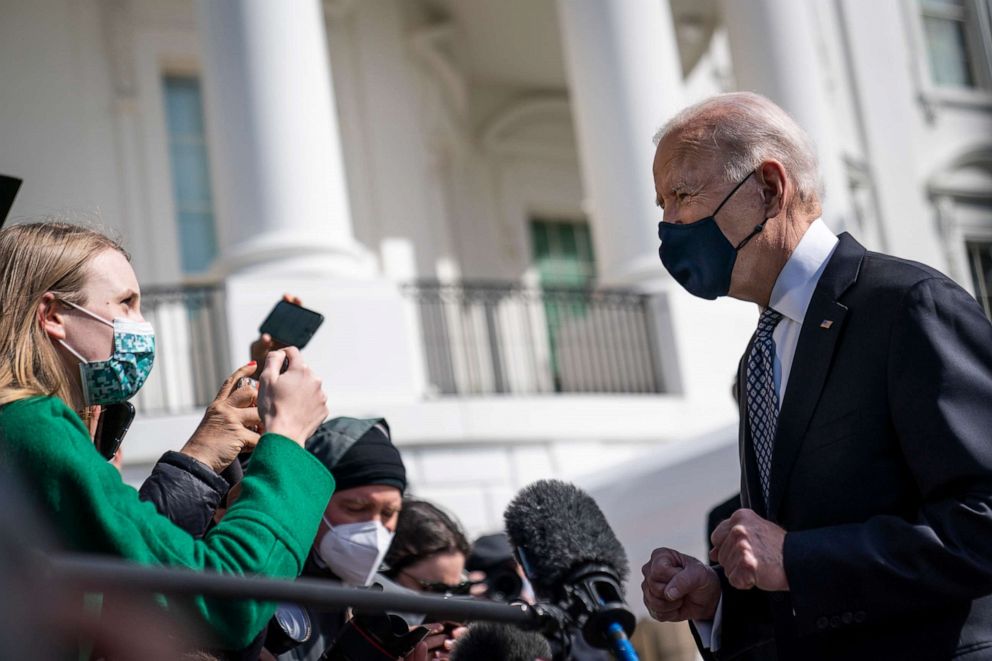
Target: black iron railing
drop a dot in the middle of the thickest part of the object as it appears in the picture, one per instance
(496, 338)
(191, 357)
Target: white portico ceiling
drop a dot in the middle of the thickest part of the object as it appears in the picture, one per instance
(509, 42)
(518, 42)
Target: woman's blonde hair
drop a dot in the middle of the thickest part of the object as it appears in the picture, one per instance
(37, 258)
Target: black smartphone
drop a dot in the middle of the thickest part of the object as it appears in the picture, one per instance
(8, 191)
(115, 420)
(416, 636)
(291, 325)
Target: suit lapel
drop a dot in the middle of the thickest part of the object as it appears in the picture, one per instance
(811, 363)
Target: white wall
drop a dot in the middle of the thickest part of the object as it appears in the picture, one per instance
(56, 131)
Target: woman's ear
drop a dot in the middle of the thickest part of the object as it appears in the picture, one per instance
(50, 318)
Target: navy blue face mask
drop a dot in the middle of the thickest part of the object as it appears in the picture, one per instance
(699, 256)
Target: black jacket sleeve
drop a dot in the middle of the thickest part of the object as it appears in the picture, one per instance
(940, 401)
(186, 491)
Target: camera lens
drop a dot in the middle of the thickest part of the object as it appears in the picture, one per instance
(289, 627)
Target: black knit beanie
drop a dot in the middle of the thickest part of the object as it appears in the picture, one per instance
(358, 453)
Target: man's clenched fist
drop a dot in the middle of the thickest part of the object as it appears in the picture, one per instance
(679, 587)
(749, 549)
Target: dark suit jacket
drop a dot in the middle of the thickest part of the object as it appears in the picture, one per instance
(881, 475)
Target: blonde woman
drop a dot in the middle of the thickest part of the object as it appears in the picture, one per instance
(72, 337)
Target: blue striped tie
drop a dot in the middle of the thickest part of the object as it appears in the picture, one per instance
(762, 399)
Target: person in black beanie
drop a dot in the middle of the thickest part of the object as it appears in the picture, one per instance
(361, 516)
(360, 519)
(354, 535)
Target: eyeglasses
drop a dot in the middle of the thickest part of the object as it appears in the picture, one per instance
(459, 589)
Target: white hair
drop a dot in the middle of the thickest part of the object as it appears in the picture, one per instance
(745, 129)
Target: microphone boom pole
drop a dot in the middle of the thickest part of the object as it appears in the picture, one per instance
(99, 574)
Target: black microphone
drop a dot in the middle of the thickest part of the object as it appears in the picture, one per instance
(574, 560)
(486, 641)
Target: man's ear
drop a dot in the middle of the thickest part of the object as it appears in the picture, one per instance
(50, 318)
(773, 182)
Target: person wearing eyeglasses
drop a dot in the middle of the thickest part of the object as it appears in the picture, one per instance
(428, 554)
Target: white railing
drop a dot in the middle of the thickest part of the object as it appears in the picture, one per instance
(191, 357)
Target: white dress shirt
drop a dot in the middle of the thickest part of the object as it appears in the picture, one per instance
(791, 295)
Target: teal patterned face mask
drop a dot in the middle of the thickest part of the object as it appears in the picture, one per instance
(121, 376)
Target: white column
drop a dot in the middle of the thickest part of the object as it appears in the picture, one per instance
(625, 81)
(774, 47)
(278, 173)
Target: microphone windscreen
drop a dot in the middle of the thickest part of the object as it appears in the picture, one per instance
(487, 641)
(558, 528)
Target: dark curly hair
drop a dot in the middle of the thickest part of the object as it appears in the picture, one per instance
(423, 530)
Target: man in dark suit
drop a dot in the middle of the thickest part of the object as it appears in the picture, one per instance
(866, 417)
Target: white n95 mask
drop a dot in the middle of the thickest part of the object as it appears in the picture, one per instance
(354, 551)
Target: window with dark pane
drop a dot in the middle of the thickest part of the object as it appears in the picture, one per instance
(564, 259)
(958, 35)
(563, 253)
(190, 173)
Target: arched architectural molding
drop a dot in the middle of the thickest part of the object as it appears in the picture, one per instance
(967, 176)
(531, 150)
(961, 194)
(534, 126)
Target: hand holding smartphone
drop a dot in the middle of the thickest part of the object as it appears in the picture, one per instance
(291, 324)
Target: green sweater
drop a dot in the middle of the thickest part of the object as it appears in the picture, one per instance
(268, 531)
